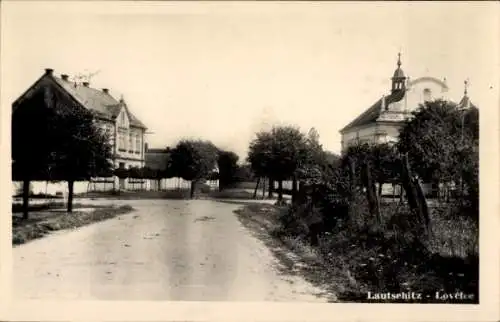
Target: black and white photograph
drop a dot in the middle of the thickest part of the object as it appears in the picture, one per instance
(270, 153)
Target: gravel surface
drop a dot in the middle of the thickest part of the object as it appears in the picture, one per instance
(165, 250)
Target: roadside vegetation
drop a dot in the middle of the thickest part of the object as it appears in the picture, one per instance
(358, 240)
(52, 217)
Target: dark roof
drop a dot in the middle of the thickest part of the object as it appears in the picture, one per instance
(156, 159)
(398, 73)
(102, 103)
(373, 113)
(465, 102)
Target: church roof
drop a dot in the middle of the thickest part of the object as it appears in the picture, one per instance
(373, 113)
(398, 73)
(465, 103)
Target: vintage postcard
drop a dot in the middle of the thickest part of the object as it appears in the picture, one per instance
(277, 161)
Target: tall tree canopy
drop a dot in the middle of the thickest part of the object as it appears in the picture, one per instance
(193, 160)
(228, 168)
(68, 144)
(440, 139)
(278, 153)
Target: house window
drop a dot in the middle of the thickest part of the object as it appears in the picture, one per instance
(122, 142)
(137, 144)
(130, 142)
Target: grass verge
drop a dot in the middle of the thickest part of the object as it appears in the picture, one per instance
(42, 224)
(350, 264)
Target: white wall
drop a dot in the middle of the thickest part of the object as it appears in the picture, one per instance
(51, 188)
(415, 91)
(414, 96)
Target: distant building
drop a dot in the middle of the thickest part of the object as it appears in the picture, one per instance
(125, 130)
(156, 159)
(381, 122)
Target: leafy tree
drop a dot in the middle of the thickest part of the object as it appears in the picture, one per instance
(440, 141)
(259, 156)
(278, 154)
(228, 167)
(429, 138)
(83, 150)
(193, 160)
(386, 164)
(32, 144)
(244, 173)
(67, 145)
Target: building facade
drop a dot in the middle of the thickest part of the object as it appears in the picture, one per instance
(381, 122)
(126, 132)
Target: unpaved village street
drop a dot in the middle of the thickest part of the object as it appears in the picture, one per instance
(165, 250)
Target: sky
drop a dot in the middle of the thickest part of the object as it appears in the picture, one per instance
(222, 71)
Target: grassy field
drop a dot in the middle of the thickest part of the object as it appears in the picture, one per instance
(352, 263)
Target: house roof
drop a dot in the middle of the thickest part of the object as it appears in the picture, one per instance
(372, 114)
(156, 159)
(102, 103)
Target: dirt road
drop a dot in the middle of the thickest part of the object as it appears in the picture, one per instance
(166, 250)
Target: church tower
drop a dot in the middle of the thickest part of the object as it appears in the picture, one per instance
(399, 78)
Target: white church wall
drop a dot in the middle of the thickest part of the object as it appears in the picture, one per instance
(415, 94)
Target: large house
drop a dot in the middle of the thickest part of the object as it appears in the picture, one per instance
(125, 130)
(381, 122)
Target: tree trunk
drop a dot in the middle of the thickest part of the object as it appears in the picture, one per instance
(70, 196)
(423, 208)
(352, 181)
(371, 193)
(380, 185)
(193, 186)
(414, 194)
(280, 190)
(26, 198)
(264, 188)
(256, 187)
(271, 187)
(294, 189)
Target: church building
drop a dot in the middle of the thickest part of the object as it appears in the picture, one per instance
(381, 122)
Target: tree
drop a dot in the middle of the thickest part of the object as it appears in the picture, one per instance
(53, 138)
(193, 160)
(83, 150)
(228, 168)
(32, 143)
(440, 141)
(278, 154)
(386, 163)
(259, 156)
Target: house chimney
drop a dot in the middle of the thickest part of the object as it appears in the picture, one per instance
(105, 90)
(64, 77)
(86, 84)
(49, 71)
